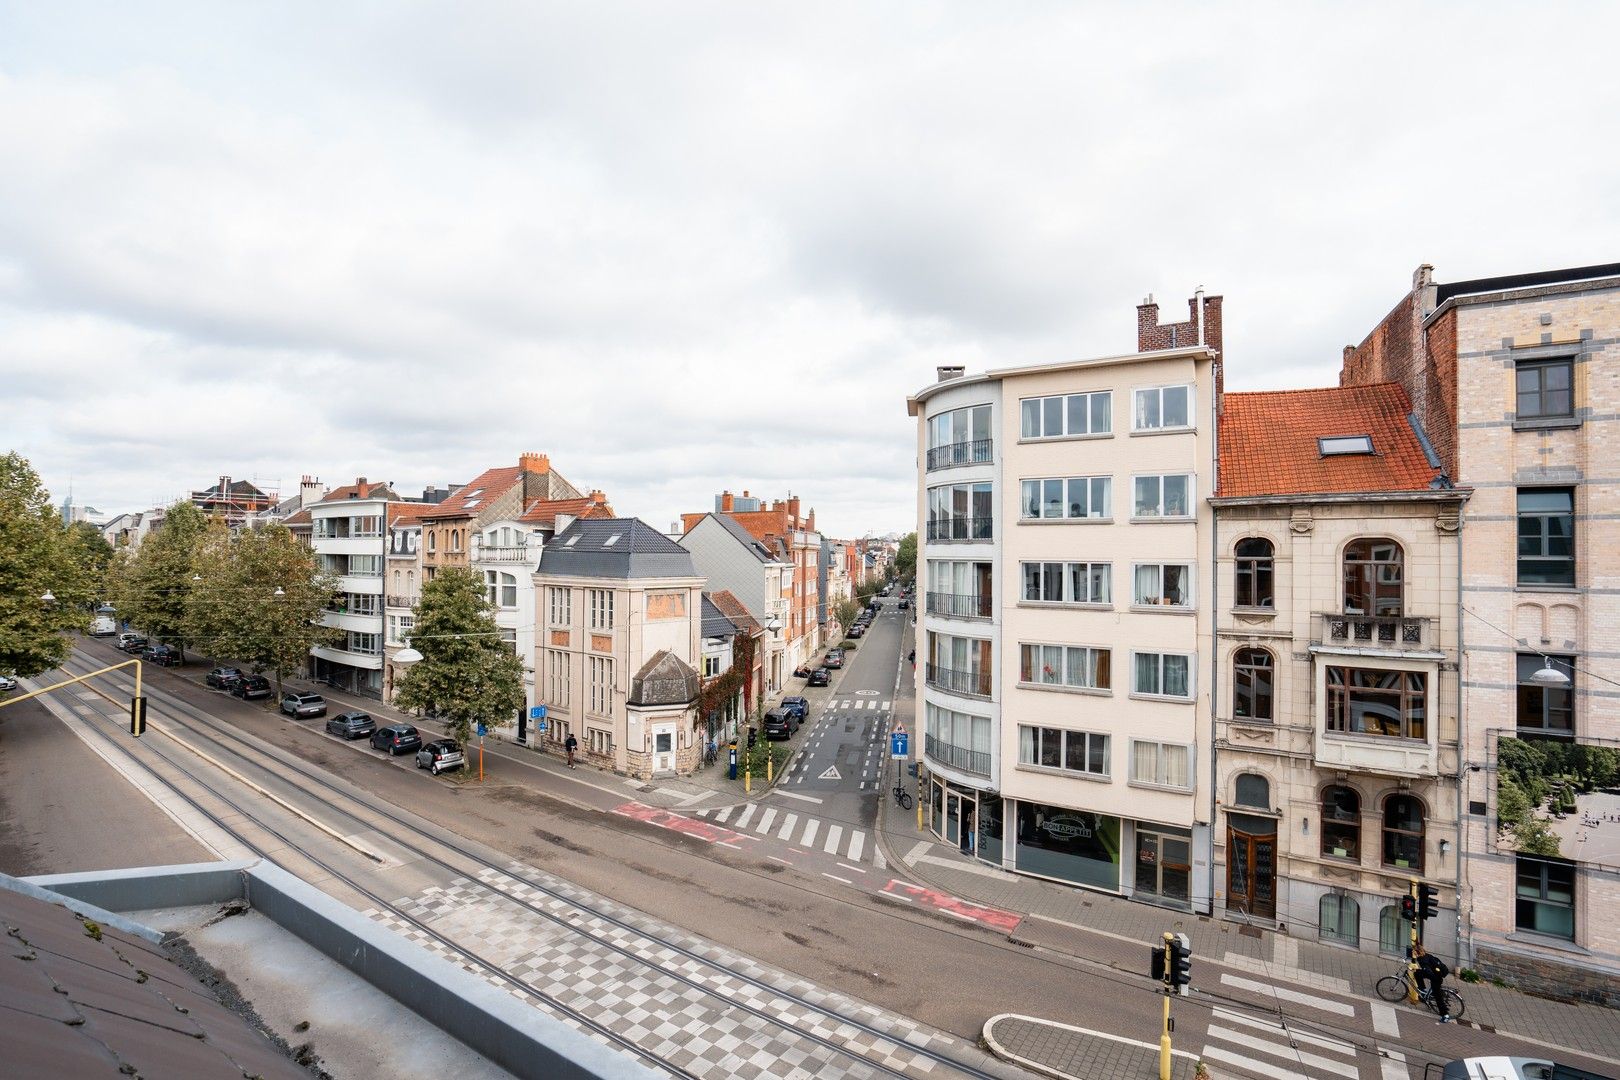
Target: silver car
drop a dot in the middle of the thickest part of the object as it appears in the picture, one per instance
(7, 682)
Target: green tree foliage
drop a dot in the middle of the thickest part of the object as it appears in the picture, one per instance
(905, 560)
(868, 588)
(160, 582)
(467, 674)
(92, 552)
(1546, 774)
(36, 556)
(846, 611)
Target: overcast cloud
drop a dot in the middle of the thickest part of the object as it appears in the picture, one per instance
(681, 247)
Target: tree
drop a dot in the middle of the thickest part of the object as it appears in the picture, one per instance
(846, 611)
(160, 584)
(468, 674)
(36, 557)
(905, 560)
(92, 552)
(280, 594)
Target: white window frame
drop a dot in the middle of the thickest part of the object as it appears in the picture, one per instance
(1034, 761)
(1089, 487)
(1067, 578)
(1137, 397)
(562, 605)
(1161, 770)
(601, 679)
(601, 605)
(1192, 676)
(1137, 601)
(1159, 515)
(1064, 415)
(557, 677)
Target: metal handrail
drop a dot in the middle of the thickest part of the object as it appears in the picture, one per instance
(961, 528)
(974, 452)
(959, 605)
(958, 682)
(957, 757)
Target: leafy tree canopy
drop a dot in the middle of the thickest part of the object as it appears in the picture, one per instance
(37, 555)
(468, 674)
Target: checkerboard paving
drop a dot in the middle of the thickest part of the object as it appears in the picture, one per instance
(679, 997)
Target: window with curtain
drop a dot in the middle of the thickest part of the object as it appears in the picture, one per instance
(1084, 752)
(1339, 917)
(1161, 407)
(1403, 832)
(1373, 578)
(1163, 585)
(1074, 666)
(1252, 695)
(1160, 764)
(1163, 674)
(1341, 823)
(1169, 495)
(1254, 573)
(1070, 414)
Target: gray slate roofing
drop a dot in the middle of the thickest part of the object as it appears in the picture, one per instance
(755, 548)
(664, 680)
(619, 548)
(715, 623)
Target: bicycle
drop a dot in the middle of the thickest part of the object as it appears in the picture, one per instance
(901, 795)
(1399, 987)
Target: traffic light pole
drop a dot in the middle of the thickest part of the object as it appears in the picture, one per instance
(1164, 1032)
(137, 704)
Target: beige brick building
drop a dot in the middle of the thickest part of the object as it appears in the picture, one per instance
(1518, 381)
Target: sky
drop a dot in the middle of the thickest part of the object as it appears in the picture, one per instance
(681, 247)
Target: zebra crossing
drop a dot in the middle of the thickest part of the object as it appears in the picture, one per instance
(802, 830)
(858, 705)
(1264, 1048)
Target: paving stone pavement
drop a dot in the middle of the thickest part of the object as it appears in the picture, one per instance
(1071, 1052)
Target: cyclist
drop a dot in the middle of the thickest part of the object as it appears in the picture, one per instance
(1431, 975)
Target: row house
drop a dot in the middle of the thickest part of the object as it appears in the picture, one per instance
(834, 583)
(756, 574)
(618, 659)
(403, 586)
(1517, 381)
(1336, 666)
(722, 715)
(749, 645)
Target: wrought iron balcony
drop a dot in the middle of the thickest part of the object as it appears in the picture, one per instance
(957, 757)
(961, 528)
(959, 453)
(976, 683)
(1388, 633)
(958, 605)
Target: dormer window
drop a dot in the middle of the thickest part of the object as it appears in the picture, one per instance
(1339, 445)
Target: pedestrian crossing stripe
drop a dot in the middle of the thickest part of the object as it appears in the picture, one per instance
(800, 830)
(1297, 1050)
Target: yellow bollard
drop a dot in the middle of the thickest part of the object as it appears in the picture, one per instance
(1164, 1042)
(748, 777)
(770, 765)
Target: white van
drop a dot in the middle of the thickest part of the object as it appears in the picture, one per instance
(103, 626)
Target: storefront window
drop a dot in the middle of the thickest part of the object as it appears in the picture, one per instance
(990, 830)
(1070, 845)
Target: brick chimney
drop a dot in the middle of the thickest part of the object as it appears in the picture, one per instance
(534, 463)
(359, 487)
(1203, 326)
(597, 497)
(726, 499)
(793, 509)
(810, 522)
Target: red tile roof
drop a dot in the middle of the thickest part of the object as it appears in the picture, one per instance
(489, 484)
(370, 490)
(545, 511)
(733, 609)
(407, 513)
(1268, 443)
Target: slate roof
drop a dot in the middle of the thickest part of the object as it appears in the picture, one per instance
(760, 549)
(664, 680)
(82, 1007)
(618, 548)
(715, 623)
(1269, 443)
(726, 602)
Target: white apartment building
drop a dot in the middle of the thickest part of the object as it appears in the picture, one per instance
(350, 543)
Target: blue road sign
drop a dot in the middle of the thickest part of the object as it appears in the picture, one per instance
(537, 712)
(899, 744)
(481, 731)
(540, 726)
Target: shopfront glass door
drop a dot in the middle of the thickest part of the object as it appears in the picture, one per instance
(1163, 867)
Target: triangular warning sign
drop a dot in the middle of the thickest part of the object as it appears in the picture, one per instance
(831, 773)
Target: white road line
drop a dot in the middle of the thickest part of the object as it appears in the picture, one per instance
(878, 860)
(857, 869)
(887, 704)
(1284, 1051)
(857, 841)
(809, 838)
(765, 820)
(1230, 1017)
(835, 877)
(773, 858)
(900, 896)
(1393, 1065)
(787, 826)
(1339, 1008)
(801, 798)
(747, 815)
(724, 813)
(1385, 1021)
(729, 844)
(1215, 1053)
(834, 833)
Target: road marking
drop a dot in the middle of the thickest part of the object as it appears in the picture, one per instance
(857, 869)
(809, 838)
(888, 704)
(830, 774)
(1393, 1065)
(835, 877)
(1385, 1021)
(784, 862)
(1215, 1053)
(724, 813)
(916, 851)
(729, 844)
(834, 833)
(765, 820)
(747, 814)
(1230, 1017)
(1006, 921)
(1271, 990)
(878, 860)
(787, 826)
(857, 840)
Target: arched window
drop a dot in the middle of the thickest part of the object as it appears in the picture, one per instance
(396, 582)
(455, 539)
(1373, 577)
(410, 583)
(433, 540)
(1252, 684)
(1340, 919)
(1254, 573)
(1253, 790)
(1403, 832)
(1341, 823)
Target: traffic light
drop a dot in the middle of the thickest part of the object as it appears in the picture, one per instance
(1428, 901)
(1178, 973)
(1408, 908)
(137, 715)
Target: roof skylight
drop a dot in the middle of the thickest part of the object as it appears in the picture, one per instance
(571, 541)
(610, 541)
(1337, 445)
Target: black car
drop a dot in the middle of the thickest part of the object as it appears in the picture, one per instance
(440, 755)
(162, 655)
(904, 603)
(396, 739)
(352, 725)
(778, 725)
(820, 677)
(223, 678)
(249, 687)
(297, 705)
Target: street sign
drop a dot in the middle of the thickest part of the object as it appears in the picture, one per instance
(540, 726)
(537, 712)
(899, 744)
(481, 731)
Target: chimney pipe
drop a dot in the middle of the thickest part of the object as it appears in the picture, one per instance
(948, 371)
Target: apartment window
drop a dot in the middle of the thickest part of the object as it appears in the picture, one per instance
(1065, 665)
(1255, 568)
(455, 539)
(432, 541)
(959, 588)
(959, 437)
(1068, 582)
(562, 605)
(960, 512)
(557, 680)
(958, 664)
(1163, 675)
(1068, 414)
(1341, 823)
(1252, 684)
(368, 644)
(1252, 789)
(1373, 578)
(1083, 752)
(407, 623)
(1072, 497)
(1160, 764)
(1163, 585)
(599, 741)
(601, 603)
(1545, 896)
(365, 565)
(1339, 917)
(601, 685)
(1386, 704)
(1403, 832)
(1545, 711)
(1168, 496)
(711, 666)
(1544, 389)
(958, 739)
(1160, 408)
(396, 582)
(1547, 536)
(500, 589)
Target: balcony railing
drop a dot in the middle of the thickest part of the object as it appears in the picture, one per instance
(508, 553)
(1395, 633)
(961, 528)
(957, 757)
(958, 605)
(961, 453)
(958, 682)
(401, 601)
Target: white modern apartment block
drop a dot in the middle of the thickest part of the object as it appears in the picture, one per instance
(350, 543)
(1064, 568)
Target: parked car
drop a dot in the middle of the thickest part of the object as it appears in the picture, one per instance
(440, 755)
(1513, 1068)
(351, 725)
(820, 677)
(904, 604)
(778, 725)
(103, 626)
(301, 705)
(835, 658)
(798, 706)
(396, 739)
(249, 687)
(162, 655)
(223, 678)
(7, 682)
(858, 630)
(131, 643)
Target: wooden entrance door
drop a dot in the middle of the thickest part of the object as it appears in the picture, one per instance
(1251, 873)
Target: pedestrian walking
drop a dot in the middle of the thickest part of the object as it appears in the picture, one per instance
(571, 745)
